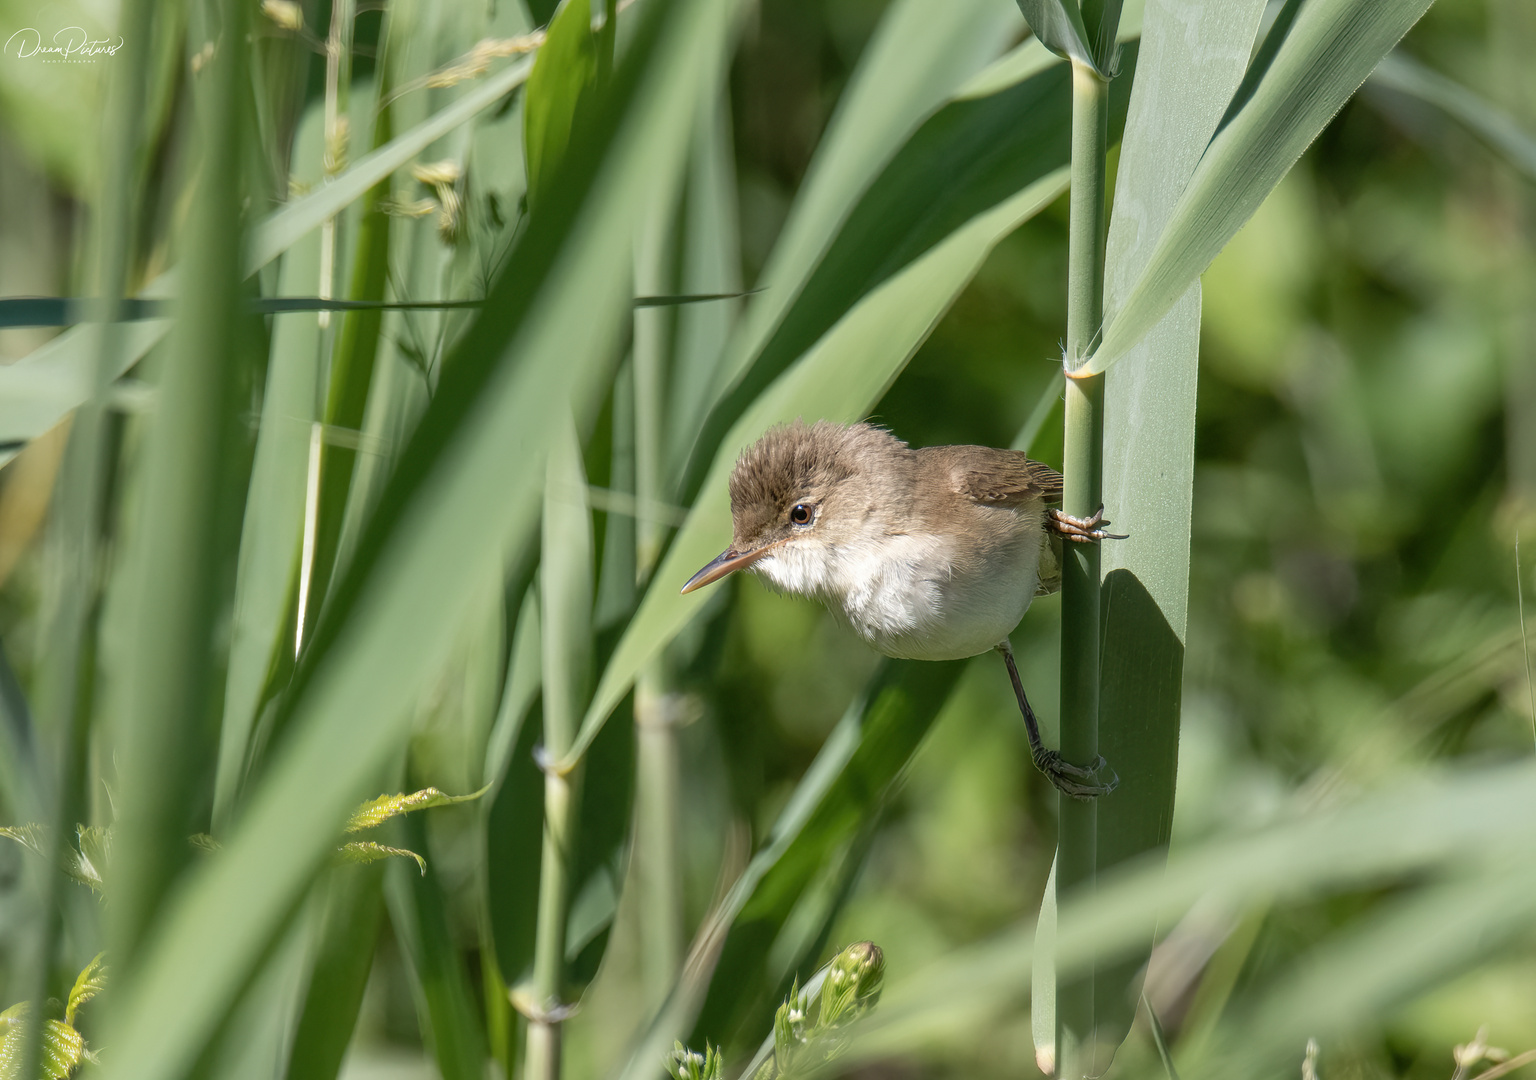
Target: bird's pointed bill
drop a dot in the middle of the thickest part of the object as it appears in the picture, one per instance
(727, 562)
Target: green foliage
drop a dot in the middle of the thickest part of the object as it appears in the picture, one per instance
(1060, 26)
(811, 1027)
(377, 811)
(1316, 55)
(564, 73)
(63, 1047)
(1316, 641)
(684, 1064)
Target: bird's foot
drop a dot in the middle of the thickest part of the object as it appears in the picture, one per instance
(1097, 780)
(1081, 530)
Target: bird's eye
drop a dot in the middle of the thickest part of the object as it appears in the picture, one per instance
(802, 514)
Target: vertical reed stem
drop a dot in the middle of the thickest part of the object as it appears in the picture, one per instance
(561, 799)
(658, 865)
(338, 80)
(657, 780)
(1083, 460)
(68, 669)
(565, 583)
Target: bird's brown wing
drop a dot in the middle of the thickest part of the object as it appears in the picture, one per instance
(998, 477)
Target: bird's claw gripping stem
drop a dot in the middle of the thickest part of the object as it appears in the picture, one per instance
(1087, 530)
(1074, 780)
(1069, 779)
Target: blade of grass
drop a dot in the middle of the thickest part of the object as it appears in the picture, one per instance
(451, 507)
(711, 262)
(180, 547)
(1317, 62)
(351, 899)
(267, 573)
(67, 674)
(352, 363)
(565, 70)
(918, 56)
(838, 798)
(565, 584)
(449, 1019)
(1183, 85)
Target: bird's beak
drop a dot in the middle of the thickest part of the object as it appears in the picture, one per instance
(727, 562)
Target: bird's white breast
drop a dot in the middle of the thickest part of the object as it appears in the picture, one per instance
(907, 594)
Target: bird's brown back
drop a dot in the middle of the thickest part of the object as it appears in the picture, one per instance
(991, 477)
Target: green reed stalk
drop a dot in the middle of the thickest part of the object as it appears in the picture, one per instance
(561, 800)
(565, 584)
(1083, 467)
(69, 664)
(657, 780)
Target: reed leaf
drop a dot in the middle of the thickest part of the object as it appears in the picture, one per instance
(351, 908)
(181, 544)
(1315, 57)
(1183, 85)
(418, 910)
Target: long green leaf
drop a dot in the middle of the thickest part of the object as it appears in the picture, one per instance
(547, 337)
(840, 378)
(565, 70)
(351, 905)
(267, 574)
(1183, 84)
(352, 365)
(863, 758)
(1320, 60)
(449, 1020)
(711, 262)
(180, 545)
(1058, 25)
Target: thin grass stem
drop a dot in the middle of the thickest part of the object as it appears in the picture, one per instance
(657, 779)
(68, 672)
(1083, 455)
(1525, 641)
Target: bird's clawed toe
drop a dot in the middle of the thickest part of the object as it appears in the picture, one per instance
(1081, 530)
(1097, 780)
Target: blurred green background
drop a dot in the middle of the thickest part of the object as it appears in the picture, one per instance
(1366, 453)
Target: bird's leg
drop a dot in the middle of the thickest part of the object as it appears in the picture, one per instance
(1080, 530)
(1074, 780)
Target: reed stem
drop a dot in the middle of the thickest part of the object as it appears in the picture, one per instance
(1083, 454)
(658, 865)
(561, 800)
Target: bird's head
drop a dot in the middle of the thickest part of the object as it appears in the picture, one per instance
(803, 490)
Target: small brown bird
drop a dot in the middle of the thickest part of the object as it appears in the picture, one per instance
(930, 554)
